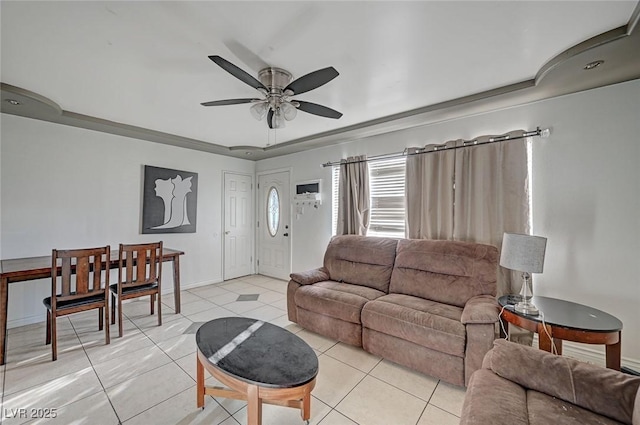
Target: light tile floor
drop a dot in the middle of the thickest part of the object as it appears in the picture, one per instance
(148, 375)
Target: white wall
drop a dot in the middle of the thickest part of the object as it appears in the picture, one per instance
(65, 187)
(586, 194)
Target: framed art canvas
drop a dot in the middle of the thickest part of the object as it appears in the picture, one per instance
(169, 200)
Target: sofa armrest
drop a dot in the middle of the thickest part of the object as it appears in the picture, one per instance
(604, 391)
(480, 309)
(311, 276)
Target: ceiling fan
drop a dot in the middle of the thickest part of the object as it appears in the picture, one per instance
(277, 88)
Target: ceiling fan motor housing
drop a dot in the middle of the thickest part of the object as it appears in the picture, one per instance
(275, 79)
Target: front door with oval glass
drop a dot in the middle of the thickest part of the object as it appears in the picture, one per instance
(274, 212)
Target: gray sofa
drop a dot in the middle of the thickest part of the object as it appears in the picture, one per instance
(520, 385)
(425, 304)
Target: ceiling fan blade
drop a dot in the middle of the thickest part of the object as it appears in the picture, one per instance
(313, 80)
(315, 109)
(270, 118)
(237, 72)
(228, 102)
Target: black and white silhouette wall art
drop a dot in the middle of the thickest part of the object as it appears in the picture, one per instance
(169, 200)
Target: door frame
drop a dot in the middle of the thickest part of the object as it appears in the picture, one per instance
(290, 207)
(223, 222)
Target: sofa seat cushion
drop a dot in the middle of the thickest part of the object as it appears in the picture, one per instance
(544, 409)
(339, 300)
(424, 322)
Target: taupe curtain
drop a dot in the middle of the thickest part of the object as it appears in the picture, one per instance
(429, 194)
(353, 196)
(474, 193)
(491, 197)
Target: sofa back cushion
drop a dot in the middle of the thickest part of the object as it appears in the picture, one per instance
(449, 272)
(600, 390)
(361, 260)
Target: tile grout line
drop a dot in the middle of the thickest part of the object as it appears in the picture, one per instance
(104, 390)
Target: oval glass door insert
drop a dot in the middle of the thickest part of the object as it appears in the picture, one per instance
(273, 211)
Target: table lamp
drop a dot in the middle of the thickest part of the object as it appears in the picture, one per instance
(524, 253)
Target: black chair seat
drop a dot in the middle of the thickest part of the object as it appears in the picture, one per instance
(61, 305)
(133, 289)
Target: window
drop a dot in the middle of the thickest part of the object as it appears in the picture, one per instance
(335, 183)
(273, 211)
(386, 180)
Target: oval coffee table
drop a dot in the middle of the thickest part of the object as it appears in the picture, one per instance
(566, 320)
(259, 362)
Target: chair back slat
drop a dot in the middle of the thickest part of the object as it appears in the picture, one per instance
(153, 259)
(142, 264)
(82, 275)
(66, 276)
(128, 261)
(97, 273)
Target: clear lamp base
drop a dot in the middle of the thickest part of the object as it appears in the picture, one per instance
(526, 307)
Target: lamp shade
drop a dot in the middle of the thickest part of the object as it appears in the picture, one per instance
(524, 253)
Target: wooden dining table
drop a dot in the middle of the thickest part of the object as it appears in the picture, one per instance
(32, 268)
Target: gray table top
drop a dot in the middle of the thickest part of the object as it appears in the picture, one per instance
(257, 352)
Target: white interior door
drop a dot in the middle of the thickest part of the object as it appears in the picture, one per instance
(273, 217)
(238, 225)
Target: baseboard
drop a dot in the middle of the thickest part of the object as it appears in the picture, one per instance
(584, 353)
(168, 289)
(23, 321)
(198, 284)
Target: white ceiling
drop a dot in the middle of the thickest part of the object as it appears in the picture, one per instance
(145, 64)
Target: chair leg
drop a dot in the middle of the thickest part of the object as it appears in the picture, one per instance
(113, 309)
(48, 327)
(159, 311)
(153, 300)
(54, 338)
(120, 330)
(107, 337)
(101, 318)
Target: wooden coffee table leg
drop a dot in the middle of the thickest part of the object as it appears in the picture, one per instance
(614, 352)
(254, 405)
(199, 383)
(305, 408)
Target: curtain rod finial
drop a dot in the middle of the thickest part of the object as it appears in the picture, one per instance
(545, 132)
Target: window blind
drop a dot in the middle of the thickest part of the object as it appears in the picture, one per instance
(386, 180)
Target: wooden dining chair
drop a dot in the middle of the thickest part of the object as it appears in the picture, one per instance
(79, 282)
(139, 274)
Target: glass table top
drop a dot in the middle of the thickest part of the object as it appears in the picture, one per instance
(566, 314)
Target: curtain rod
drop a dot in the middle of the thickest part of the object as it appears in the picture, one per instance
(544, 133)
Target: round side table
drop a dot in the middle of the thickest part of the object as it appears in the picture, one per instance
(569, 321)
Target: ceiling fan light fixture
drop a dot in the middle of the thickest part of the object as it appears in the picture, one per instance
(278, 119)
(259, 110)
(289, 111)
